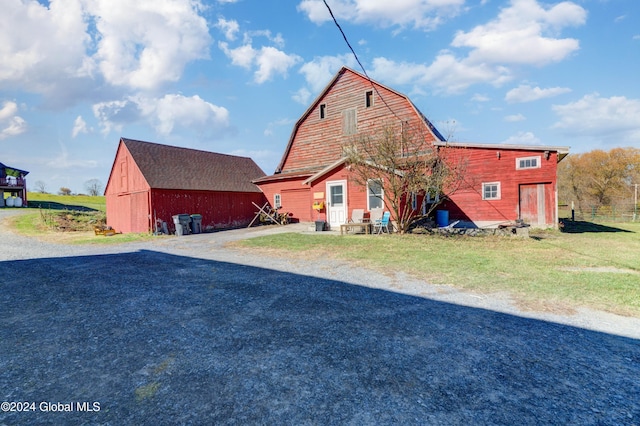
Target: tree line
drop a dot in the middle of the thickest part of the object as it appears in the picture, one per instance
(598, 178)
(93, 187)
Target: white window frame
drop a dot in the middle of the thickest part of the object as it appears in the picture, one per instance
(525, 159)
(277, 201)
(371, 194)
(498, 191)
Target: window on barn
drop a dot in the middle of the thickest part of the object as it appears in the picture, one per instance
(491, 191)
(323, 111)
(375, 199)
(528, 163)
(414, 201)
(349, 122)
(277, 201)
(368, 98)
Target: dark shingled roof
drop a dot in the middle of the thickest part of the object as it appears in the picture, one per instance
(172, 167)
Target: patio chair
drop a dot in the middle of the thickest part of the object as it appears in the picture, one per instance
(382, 225)
(357, 216)
(375, 215)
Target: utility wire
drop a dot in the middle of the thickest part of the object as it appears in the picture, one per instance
(360, 63)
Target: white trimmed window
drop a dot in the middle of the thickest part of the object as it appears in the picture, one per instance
(491, 190)
(528, 163)
(375, 199)
(277, 201)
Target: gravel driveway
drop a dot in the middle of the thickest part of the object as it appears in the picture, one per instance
(185, 331)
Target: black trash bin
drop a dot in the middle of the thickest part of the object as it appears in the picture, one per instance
(181, 221)
(196, 223)
(320, 225)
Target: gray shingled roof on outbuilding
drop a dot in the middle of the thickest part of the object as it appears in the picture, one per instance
(171, 167)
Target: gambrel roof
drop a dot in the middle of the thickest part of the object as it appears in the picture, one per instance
(171, 167)
(321, 163)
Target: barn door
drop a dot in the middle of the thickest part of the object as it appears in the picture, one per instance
(336, 203)
(532, 204)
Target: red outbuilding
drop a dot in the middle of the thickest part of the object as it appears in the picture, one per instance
(150, 183)
(503, 183)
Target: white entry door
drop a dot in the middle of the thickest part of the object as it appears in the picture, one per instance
(336, 203)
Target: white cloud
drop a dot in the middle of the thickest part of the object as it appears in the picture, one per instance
(68, 49)
(321, 70)
(113, 115)
(526, 93)
(521, 34)
(423, 14)
(229, 28)
(612, 120)
(267, 61)
(186, 112)
(166, 115)
(446, 74)
(271, 61)
(10, 123)
(514, 118)
(478, 97)
(79, 126)
(523, 138)
(145, 43)
(39, 46)
(302, 96)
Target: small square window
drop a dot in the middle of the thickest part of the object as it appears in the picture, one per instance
(368, 98)
(527, 163)
(491, 191)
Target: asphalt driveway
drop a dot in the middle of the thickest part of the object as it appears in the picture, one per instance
(145, 334)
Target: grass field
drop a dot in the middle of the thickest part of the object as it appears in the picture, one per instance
(67, 219)
(591, 265)
(66, 202)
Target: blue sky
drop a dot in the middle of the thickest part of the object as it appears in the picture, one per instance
(233, 76)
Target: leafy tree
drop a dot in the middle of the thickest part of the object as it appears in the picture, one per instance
(41, 187)
(93, 187)
(64, 191)
(599, 178)
(404, 162)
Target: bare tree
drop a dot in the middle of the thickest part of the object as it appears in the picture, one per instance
(41, 187)
(406, 165)
(93, 187)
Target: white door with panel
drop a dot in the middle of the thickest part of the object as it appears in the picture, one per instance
(336, 203)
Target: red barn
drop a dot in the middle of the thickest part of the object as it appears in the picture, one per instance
(505, 182)
(150, 182)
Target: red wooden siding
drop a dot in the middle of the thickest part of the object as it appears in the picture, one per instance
(485, 166)
(316, 145)
(218, 209)
(318, 142)
(133, 206)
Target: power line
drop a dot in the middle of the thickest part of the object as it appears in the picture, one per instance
(355, 55)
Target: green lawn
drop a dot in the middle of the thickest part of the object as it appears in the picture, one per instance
(595, 266)
(66, 202)
(47, 212)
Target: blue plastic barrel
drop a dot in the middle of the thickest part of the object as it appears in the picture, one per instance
(442, 218)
